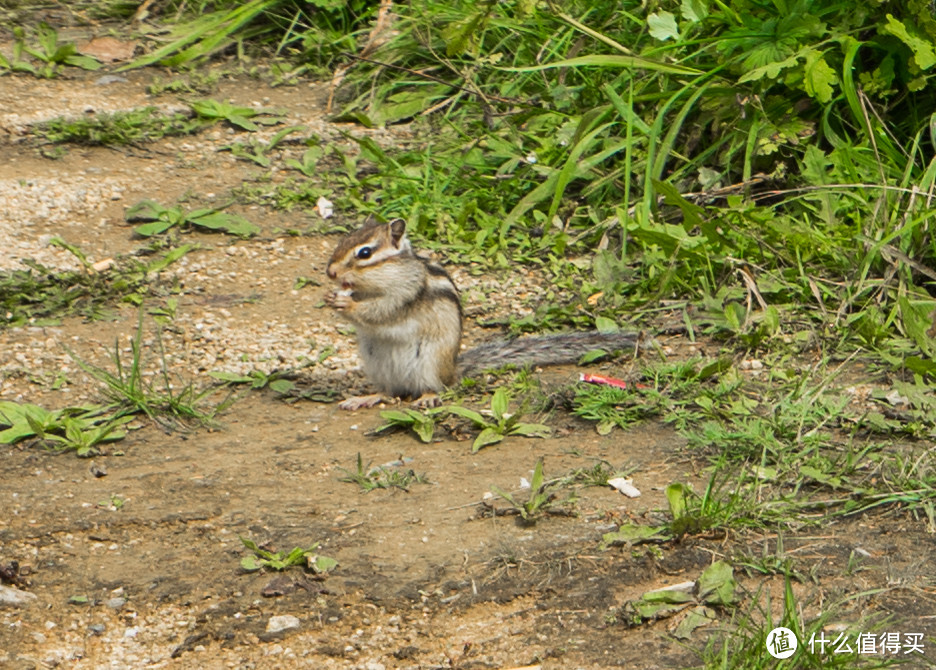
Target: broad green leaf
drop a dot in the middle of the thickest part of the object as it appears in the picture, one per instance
(717, 584)
(662, 26)
(162, 262)
(923, 50)
(648, 611)
(465, 413)
(486, 438)
(676, 495)
(770, 70)
(282, 385)
(537, 481)
(914, 364)
(250, 564)
(819, 77)
(230, 377)
(322, 564)
(695, 618)
(145, 210)
(605, 325)
(247, 542)
(531, 430)
(671, 596)
(154, 228)
(820, 476)
(425, 429)
(915, 321)
(462, 36)
(16, 432)
(694, 10)
(397, 416)
(500, 401)
(229, 223)
(82, 61)
(693, 215)
(631, 534)
(592, 356)
(716, 367)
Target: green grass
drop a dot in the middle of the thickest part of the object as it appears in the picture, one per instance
(134, 127)
(555, 131)
(382, 476)
(167, 400)
(43, 296)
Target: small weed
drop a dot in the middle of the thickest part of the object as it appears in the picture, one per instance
(597, 475)
(308, 162)
(80, 429)
(115, 503)
(611, 407)
(408, 419)
(48, 50)
(159, 400)
(504, 423)
(281, 560)
(161, 219)
(17, 63)
(245, 118)
(278, 380)
(543, 498)
(256, 151)
(302, 282)
(382, 477)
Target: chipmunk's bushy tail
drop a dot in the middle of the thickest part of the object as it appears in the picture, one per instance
(543, 350)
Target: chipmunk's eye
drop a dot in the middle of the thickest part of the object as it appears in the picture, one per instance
(363, 253)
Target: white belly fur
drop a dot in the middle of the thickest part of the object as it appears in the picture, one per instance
(401, 360)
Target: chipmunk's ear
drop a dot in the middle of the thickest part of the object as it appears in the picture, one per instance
(397, 231)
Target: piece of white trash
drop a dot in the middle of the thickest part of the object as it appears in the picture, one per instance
(625, 486)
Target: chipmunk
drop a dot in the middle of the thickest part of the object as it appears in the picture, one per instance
(408, 316)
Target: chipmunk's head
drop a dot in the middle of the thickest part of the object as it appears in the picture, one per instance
(371, 245)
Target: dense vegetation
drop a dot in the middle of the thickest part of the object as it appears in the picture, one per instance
(777, 155)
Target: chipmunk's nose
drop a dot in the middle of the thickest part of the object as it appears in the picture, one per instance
(331, 272)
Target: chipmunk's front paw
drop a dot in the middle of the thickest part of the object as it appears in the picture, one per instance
(427, 400)
(364, 401)
(339, 299)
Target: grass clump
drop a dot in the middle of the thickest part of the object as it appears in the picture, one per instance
(42, 296)
(162, 400)
(382, 476)
(133, 127)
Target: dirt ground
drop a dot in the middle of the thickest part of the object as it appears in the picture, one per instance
(423, 581)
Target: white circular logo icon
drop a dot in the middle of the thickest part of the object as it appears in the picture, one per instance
(781, 642)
